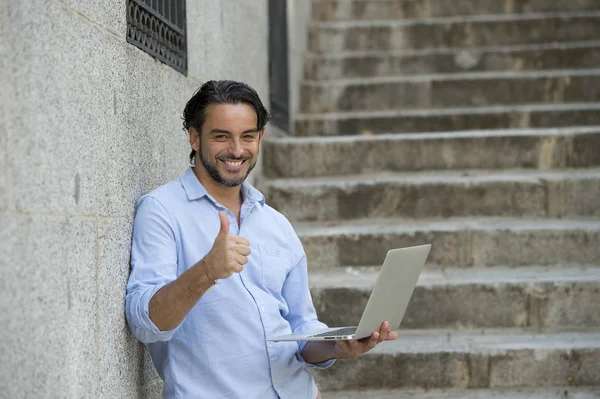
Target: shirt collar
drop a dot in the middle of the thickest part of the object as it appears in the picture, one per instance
(195, 190)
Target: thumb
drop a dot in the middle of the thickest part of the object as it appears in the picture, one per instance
(224, 223)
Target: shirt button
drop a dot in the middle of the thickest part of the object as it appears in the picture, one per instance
(262, 308)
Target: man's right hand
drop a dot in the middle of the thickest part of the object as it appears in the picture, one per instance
(229, 254)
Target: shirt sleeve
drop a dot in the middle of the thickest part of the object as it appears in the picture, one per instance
(153, 265)
(302, 315)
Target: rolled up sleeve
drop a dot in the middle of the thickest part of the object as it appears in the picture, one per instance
(153, 265)
(302, 315)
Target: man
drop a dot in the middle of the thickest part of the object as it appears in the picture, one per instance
(215, 270)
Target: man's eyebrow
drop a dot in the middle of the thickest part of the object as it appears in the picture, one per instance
(228, 132)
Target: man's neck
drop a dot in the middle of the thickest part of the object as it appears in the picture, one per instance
(229, 197)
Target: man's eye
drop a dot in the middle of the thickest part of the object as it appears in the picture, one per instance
(220, 137)
(249, 137)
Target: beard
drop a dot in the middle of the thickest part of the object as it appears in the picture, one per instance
(213, 172)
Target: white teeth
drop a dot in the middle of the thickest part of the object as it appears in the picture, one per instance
(237, 163)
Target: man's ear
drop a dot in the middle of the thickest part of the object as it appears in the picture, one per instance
(260, 135)
(194, 138)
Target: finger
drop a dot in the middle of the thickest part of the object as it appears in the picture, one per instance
(241, 259)
(391, 335)
(224, 230)
(374, 340)
(238, 268)
(243, 250)
(240, 240)
(385, 327)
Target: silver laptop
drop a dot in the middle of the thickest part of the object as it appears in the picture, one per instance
(388, 301)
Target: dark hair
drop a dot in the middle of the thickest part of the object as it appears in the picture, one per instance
(221, 92)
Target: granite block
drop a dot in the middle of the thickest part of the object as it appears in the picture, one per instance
(4, 182)
(51, 338)
(124, 363)
(90, 119)
(229, 43)
(110, 15)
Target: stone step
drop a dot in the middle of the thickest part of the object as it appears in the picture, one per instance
(455, 31)
(439, 194)
(509, 58)
(537, 297)
(490, 359)
(471, 89)
(564, 392)
(495, 149)
(457, 242)
(448, 119)
(328, 10)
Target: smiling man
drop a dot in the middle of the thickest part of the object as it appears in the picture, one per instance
(215, 270)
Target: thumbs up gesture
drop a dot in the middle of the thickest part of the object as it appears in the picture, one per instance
(229, 253)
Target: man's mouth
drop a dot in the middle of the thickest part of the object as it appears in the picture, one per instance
(233, 166)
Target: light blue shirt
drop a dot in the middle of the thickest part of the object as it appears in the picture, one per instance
(219, 350)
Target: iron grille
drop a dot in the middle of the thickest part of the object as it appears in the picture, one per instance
(158, 27)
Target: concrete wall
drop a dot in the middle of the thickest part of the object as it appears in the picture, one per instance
(89, 123)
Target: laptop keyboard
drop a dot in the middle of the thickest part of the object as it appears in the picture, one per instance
(339, 331)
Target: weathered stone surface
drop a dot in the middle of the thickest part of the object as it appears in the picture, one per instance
(453, 32)
(326, 10)
(48, 343)
(427, 371)
(125, 364)
(14, 268)
(111, 14)
(532, 368)
(227, 40)
(519, 58)
(438, 360)
(571, 198)
(442, 195)
(370, 73)
(501, 149)
(447, 120)
(471, 298)
(4, 182)
(455, 242)
(66, 107)
(439, 91)
(152, 390)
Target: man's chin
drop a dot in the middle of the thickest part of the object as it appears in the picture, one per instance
(232, 182)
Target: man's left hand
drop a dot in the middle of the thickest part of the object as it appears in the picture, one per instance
(351, 348)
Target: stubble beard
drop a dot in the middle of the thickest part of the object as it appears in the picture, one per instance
(214, 174)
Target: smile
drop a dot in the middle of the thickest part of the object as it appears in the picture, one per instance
(233, 163)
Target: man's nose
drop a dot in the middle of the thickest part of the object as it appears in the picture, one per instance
(236, 149)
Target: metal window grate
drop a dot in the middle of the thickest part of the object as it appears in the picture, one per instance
(158, 27)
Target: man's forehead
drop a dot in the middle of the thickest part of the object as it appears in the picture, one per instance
(231, 113)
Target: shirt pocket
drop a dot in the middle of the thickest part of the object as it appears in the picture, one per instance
(275, 262)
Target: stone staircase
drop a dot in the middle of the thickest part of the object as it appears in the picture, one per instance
(473, 125)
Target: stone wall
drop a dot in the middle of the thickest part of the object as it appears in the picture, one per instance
(89, 123)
